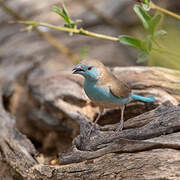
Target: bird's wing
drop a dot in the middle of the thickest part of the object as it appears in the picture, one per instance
(119, 88)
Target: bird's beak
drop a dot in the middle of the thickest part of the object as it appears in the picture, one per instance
(78, 69)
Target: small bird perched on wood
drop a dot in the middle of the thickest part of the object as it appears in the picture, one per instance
(104, 89)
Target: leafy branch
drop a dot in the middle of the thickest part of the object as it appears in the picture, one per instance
(64, 14)
(165, 11)
(145, 46)
(148, 4)
(71, 30)
(150, 25)
(47, 36)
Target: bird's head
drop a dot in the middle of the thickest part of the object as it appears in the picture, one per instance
(90, 69)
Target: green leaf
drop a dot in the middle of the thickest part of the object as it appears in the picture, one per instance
(143, 57)
(153, 23)
(64, 10)
(145, 18)
(57, 10)
(131, 41)
(64, 14)
(146, 1)
(160, 33)
(147, 44)
(146, 5)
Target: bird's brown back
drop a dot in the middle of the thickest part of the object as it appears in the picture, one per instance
(106, 78)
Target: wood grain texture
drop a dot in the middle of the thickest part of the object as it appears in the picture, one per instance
(148, 147)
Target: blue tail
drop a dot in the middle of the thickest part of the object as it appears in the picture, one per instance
(141, 98)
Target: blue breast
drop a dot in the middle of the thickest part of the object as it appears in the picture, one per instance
(101, 93)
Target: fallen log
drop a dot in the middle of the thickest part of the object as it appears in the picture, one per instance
(147, 148)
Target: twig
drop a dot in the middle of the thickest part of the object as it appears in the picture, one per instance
(81, 31)
(72, 30)
(63, 49)
(85, 32)
(153, 6)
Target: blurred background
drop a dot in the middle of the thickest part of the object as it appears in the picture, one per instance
(115, 17)
(29, 61)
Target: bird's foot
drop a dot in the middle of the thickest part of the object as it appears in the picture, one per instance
(119, 129)
(93, 128)
(89, 133)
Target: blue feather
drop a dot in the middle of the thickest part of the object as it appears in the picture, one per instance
(102, 93)
(141, 98)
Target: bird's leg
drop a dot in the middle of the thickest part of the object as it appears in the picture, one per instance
(95, 122)
(122, 119)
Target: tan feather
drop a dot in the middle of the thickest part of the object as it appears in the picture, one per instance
(119, 88)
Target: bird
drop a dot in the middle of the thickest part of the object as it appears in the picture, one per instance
(105, 90)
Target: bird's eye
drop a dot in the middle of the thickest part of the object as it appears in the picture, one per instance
(89, 68)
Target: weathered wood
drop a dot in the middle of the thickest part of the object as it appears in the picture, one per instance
(155, 164)
(101, 143)
(106, 166)
(154, 134)
(15, 148)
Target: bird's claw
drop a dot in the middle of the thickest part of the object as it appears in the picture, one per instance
(93, 128)
(89, 133)
(119, 129)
